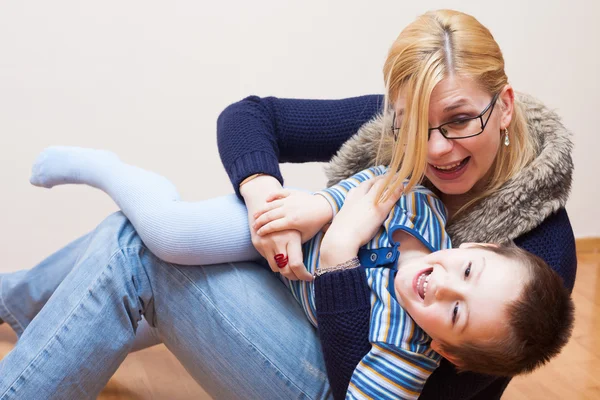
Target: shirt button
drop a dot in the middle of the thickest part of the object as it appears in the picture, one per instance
(373, 257)
(388, 255)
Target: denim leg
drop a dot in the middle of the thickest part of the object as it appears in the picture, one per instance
(234, 327)
(24, 293)
(239, 332)
(83, 333)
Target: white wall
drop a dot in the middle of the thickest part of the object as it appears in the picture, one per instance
(147, 79)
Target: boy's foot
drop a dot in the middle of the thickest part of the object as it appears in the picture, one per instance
(60, 165)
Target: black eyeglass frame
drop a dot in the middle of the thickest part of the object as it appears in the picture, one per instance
(440, 128)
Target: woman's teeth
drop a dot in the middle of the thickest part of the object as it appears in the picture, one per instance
(447, 167)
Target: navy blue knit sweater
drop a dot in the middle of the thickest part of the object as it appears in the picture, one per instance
(256, 134)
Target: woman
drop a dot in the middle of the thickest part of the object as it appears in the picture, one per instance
(510, 185)
(208, 316)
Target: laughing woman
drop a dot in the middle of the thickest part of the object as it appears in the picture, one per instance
(507, 179)
(449, 119)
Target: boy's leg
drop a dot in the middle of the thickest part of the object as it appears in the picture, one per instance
(236, 329)
(206, 232)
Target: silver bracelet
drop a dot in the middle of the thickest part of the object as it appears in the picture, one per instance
(351, 263)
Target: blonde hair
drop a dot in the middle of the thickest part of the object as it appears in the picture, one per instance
(437, 45)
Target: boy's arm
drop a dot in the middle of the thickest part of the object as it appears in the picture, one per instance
(391, 372)
(293, 209)
(336, 194)
(351, 360)
(307, 213)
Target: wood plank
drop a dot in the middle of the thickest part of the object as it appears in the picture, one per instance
(588, 245)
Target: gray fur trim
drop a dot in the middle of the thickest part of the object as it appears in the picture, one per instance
(520, 205)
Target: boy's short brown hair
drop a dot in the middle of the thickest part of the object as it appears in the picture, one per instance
(540, 323)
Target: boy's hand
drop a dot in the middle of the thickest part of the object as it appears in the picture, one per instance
(357, 222)
(286, 242)
(293, 209)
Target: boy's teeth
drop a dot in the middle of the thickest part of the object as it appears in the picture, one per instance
(425, 284)
(422, 283)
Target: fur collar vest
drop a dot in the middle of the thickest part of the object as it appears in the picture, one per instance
(520, 205)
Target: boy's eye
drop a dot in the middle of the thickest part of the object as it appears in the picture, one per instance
(454, 313)
(468, 270)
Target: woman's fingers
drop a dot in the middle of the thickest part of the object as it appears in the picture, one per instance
(286, 257)
(282, 261)
(296, 262)
(273, 264)
(279, 260)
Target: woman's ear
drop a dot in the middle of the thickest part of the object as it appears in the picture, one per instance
(507, 95)
(435, 345)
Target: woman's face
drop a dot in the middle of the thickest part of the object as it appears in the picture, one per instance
(457, 166)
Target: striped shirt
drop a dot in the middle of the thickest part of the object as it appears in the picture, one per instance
(401, 359)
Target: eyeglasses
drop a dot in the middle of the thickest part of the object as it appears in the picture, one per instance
(459, 128)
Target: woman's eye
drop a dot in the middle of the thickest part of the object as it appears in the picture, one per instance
(454, 313)
(460, 124)
(468, 271)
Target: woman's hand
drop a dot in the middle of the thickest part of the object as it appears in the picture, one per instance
(293, 209)
(287, 243)
(357, 222)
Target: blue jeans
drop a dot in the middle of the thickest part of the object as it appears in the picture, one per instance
(235, 327)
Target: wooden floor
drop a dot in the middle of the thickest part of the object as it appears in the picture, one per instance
(575, 374)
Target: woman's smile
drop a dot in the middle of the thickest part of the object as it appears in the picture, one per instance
(450, 171)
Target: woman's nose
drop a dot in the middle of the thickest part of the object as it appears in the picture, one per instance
(438, 145)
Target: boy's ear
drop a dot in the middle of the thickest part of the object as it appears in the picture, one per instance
(435, 345)
(471, 244)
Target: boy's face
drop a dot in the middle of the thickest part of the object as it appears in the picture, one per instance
(460, 295)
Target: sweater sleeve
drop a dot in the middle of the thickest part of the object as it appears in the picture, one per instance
(255, 134)
(343, 310)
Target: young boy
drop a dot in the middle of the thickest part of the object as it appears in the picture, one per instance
(484, 308)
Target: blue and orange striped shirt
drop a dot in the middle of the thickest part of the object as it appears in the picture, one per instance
(400, 360)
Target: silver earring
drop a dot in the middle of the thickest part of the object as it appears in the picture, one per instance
(506, 139)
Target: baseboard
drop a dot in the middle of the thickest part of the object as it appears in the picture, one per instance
(588, 245)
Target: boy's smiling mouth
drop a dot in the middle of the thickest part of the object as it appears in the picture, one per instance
(420, 282)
